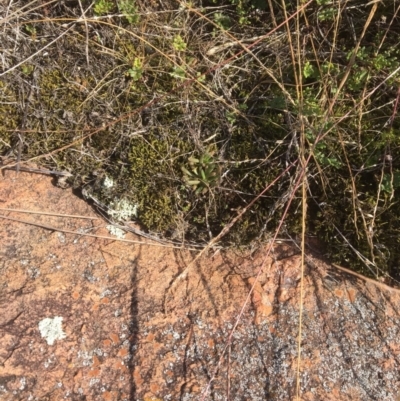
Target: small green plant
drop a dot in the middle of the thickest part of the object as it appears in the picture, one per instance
(323, 154)
(179, 72)
(390, 182)
(200, 77)
(311, 105)
(231, 117)
(136, 71)
(31, 30)
(27, 69)
(223, 21)
(102, 7)
(369, 64)
(242, 7)
(179, 44)
(202, 173)
(309, 70)
(130, 10)
(328, 13)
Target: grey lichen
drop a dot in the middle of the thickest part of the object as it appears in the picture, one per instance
(51, 329)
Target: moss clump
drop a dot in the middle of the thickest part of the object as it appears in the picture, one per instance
(9, 117)
(155, 179)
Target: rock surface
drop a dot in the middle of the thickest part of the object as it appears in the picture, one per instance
(127, 325)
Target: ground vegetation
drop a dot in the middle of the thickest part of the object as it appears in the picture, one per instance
(186, 111)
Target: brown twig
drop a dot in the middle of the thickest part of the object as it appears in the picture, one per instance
(367, 279)
(51, 228)
(72, 216)
(18, 168)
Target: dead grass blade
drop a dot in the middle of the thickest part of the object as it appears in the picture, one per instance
(80, 234)
(41, 212)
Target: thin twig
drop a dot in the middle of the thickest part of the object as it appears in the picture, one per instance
(37, 170)
(367, 279)
(72, 216)
(47, 227)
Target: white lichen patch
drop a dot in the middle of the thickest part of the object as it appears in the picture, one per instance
(108, 183)
(51, 329)
(22, 383)
(123, 210)
(113, 230)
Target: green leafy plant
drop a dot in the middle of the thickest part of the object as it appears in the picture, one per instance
(231, 117)
(103, 7)
(202, 172)
(242, 9)
(179, 44)
(200, 77)
(309, 70)
(327, 13)
(390, 182)
(179, 72)
(130, 10)
(311, 106)
(27, 69)
(323, 154)
(31, 30)
(136, 71)
(222, 20)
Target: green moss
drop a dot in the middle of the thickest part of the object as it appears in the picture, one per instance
(155, 178)
(9, 116)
